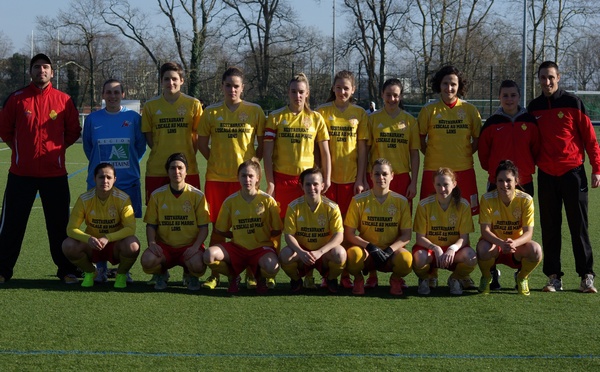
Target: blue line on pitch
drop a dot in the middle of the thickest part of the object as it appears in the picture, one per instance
(69, 176)
(277, 356)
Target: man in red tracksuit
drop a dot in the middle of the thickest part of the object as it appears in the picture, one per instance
(38, 123)
(566, 133)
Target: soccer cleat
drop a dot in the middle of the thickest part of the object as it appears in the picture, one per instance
(121, 281)
(261, 286)
(484, 285)
(332, 285)
(359, 287)
(467, 283)
(554, 284)
(102, 276)
(234, 284)
(323, 284)
(129, 278)
(587, 284)
(154, 278)
(295, 286)
(309, 282)
(423, 287)
(185, 279)
(372, 282)
(88, 279)
(433, 282)
(70, 279)
(454, 286)
(495, 284)
(396, 287)
(523, 286)
(271, 283)
(161, 282)
(346, 282)
(211, 282)
(193, 283)
(250, 282)
(403, 283)
(2, 279)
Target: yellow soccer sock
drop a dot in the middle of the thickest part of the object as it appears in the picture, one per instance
(219, 267)
(462, 271)
(291, 270)
(84, 264)
(265, 274)
(526, 268)
(485, 266)
(401, 264)
(335, 269)
(422, 272)
(356, 261)
(125, 264)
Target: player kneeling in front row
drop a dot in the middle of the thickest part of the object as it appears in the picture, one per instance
(382, 218)
(250, 218)
(442, 223)
(314, 232)
(110, 229)
(506, 221)
(176, 226)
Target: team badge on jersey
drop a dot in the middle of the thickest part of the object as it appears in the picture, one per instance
(560, 115)
(353, 121)
(187, 206)
(53, 115)
(306, 122)
(125, 124)
(461, 114)
(112, 211)
(401, 125)
(392, 210)
(452, 219)
(524, 126)
(181, 110)
(243, 117)
(260, 209)
(321, 220)
(517, 213)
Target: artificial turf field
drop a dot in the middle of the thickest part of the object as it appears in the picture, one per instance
(47, 325)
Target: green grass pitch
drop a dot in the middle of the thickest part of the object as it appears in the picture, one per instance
(46, 325)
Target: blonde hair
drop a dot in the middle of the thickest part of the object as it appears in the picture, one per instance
(301, 78)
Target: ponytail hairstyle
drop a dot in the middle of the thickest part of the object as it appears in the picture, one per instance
(450, 173)
(344, 74)
(254, 164)
(301, 78)
(398, 83)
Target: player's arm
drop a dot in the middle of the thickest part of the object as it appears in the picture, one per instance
(415, 161)
(86, 138)
(525, 238)
(128, 222)
(154, 248)
(306, 257)
(423, 241)
(335, 240)
(72, 125)
(423, 144)
(75, 220)
(474, 144)
(201, 237)
(226, 234)
(351, 237)
(269, 144)
(359, 184)
(489, 235)
(402, 239)
(325, 163)
(203, 146)
(149, 139)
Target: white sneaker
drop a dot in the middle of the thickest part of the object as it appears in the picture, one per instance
(554, 284)
(423, 287)
(587, 284)
(454, 286)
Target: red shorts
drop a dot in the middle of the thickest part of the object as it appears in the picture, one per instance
(342, 194)
(107, 254)
(153, 183)
(399, 184)
(430, 253)
(465, 180)
(241, 258)
(507, 259)
(287, 189)
(174, 256)
(216, 192)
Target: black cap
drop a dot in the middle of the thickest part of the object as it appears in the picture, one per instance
(40, 56)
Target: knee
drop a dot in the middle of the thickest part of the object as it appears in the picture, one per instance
(285, 256)
(420, 258)
(338, 255)
(484, 250)
(212, 254)
(355, 260)
(70, 247)
(149, 260)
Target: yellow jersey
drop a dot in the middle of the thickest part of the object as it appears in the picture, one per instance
(177, 217)
(345, 130)
(443, 227)
(379, 223)
(449, 133)
(506, 221)
(232, 136)
(295, 136)
(113, 218)
(393, 138)
(313, 229)
(250, 222)
(173, 128)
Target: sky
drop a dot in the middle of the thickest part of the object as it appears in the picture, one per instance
(17, 17)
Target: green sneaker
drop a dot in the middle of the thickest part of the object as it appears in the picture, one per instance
(211, 282)
(271, 283)
(309, 282)
(250, 282)
(88, 279)
(523, 286)
(121, 281)
(484, 285)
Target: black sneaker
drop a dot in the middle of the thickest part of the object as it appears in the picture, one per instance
(332, 285)
(495, 284)
(295, 286)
